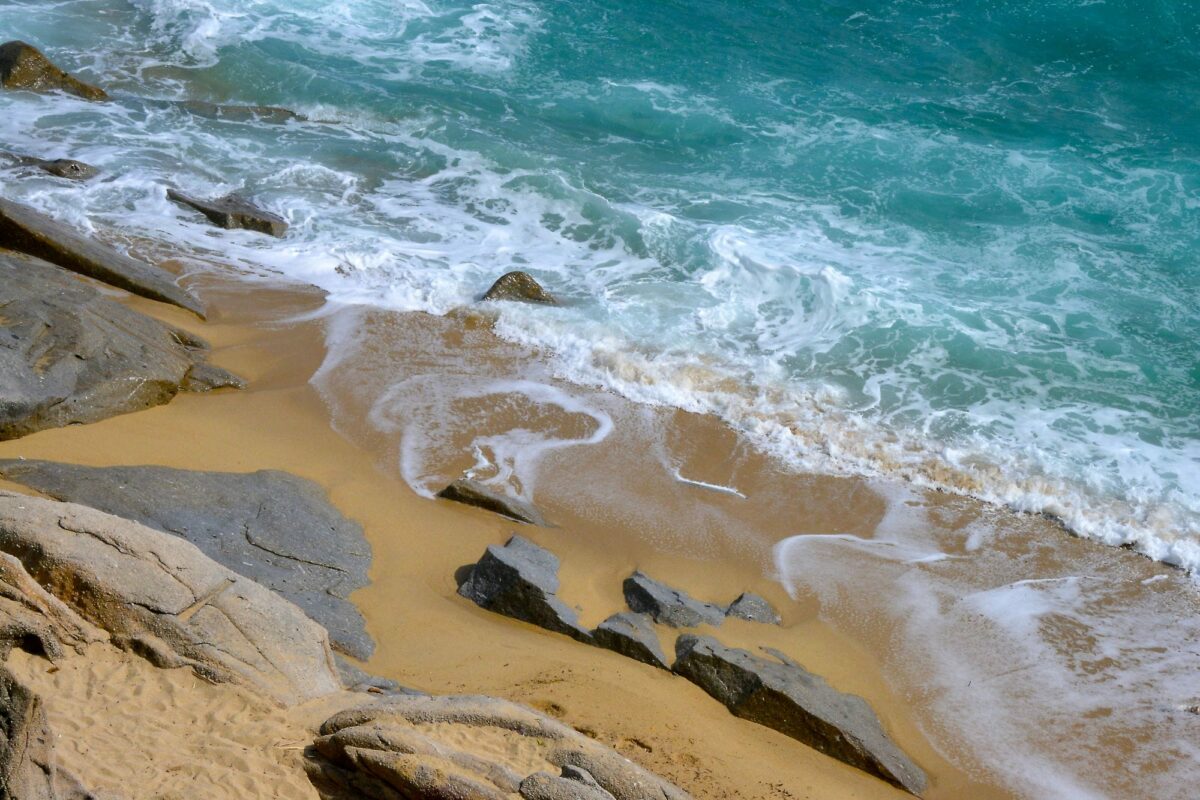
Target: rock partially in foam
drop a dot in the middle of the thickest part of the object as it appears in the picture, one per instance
(234, 211)
(23, 66)
(521, 287)
(474, 493)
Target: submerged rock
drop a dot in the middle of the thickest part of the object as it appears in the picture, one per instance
(751, 607)
(29, 767)
(23, 66)
(669, 606)
(631, 635)
(69, 355)
(787, 698)
(60, 167)
(473, 493)
(520, 580)
(235, 113)
(29, 231)
(272, 527)
(234, 211)
(519, 286)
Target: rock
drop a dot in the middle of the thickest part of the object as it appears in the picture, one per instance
(668, 606)
(473, 493)
(28, 765)
(521, 287)
(272, 527)
(234, 113)
(157, 594)
(23, 66)
(29, 231)
(69, 355)
(61, 167)
(520, 580)
(631, 635)
(753, 608)
(35, 620)
(793, 701)
(234, 211)
(359, 680)
(374, 749)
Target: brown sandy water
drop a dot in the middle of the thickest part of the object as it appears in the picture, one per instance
(907, 608)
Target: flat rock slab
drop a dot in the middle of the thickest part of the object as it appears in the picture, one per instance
(520, 287)
(23, 66)
(786, 697)
(667, 605)
(69, 355)
(234, 211)
(473, 493)
(272, 527)
(159, 596)
(29, 231)
(753, 608)
(520, 580)
(631, 635)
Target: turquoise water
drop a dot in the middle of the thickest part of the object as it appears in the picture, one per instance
(951, 241)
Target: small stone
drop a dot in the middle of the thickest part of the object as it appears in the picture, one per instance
(753, 608)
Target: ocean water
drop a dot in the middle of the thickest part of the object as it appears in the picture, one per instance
(953, 242)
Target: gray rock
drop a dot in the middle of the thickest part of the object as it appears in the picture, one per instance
(521, 287)
(159, 596)
(234, 211)
(359, 680)
(544, 786)
(753, 608)
(69, 355)
(29, 231)
(235, 113)
(520, 580)
(23, 66)
(473, 493)
(631, 635)
(668, 606)
(28, 765)
(60, 167)
(793, 701)
(272, 527)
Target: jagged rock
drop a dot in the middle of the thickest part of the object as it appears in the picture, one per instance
(69, 355)
(29, 231)
(416, 744)
(668, 606)
(234, 211)
(23, 66)
(359, 680)
(272, 527)
(786, 697)
(473, 493)
(61, 167)
(631, 635)
(159, 595)
(520, 580)
(519, 286)
(28, 766)
(751, 607)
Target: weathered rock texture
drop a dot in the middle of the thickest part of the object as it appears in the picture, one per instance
(631, 635)
(519, 286)
(753, 608)
(786, 697)
(159, 596)
(413, 747)
(234, 211)
(23, 66)
(29, 231)
(70, 355)
(28, 766)
(669, 606)
(35, 620)
(520, 580)
(473, 493)
(272, 527)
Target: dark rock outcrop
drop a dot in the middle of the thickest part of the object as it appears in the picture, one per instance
(23, 66)
(272, 527)
(28, 765)
(60, 167)
(520, 580)
(521, 287)
(751, 607)
(69, 355)
(473, 493)
(631, 635)
(234, 211)
(29, 231)
(786, 697)
(668, 606)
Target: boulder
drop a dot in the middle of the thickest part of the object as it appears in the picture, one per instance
(28, 765)
(69, 355)
(520, 580)
(751, 607)
(473, 493)
(234, 211)
(631, 635)
(23, 66)
(668, 606)
(60, 167)
(521, 287)
(422, 747)
(787, 698)
(29, 231)
(160, 597)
